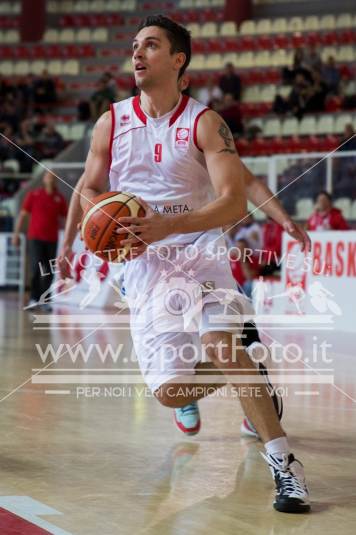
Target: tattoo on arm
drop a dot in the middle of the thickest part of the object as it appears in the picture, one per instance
(226, 135)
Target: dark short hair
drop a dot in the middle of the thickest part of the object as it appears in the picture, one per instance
(326, 193)
(178, 36)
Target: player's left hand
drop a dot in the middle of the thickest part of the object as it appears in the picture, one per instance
(298, 233)
(143, 230)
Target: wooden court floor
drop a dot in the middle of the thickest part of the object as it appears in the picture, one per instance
(75, 464)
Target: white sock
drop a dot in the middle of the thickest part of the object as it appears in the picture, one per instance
(277, 447)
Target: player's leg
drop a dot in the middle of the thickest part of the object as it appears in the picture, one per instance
(226, 352)
(36, 255)
(260, 354)
(49, 253)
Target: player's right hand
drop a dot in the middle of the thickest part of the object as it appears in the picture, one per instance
(15, 240)
(64, 262)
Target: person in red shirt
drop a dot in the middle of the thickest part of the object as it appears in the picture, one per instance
(325, 216)
(45, 206)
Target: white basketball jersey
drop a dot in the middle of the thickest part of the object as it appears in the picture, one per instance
(159, 160)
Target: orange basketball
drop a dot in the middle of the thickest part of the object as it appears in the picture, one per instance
(99, 224)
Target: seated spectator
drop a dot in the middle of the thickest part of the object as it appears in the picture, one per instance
(26, 141)
(230, 82)
(281, 105)
(44, 89)
(211, 91)
(348, 140)
(253, 131)
(83, 111)
(299, 96)
(312, 59)
(25, 87)
(51, 142)
(317, 93)
(230, 112)
(331, 76)
(111, 83)
(325, 216)
(9, 114)
(7, 150)
(19, 123)
(102, 98)
(299, 66)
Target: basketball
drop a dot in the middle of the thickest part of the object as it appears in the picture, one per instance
(99, 224)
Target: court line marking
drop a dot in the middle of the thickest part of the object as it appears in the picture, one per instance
(208, 379)
(78, 370)
(58, 392)
(306, 392)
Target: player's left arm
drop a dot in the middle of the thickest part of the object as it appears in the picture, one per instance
(226, 174)
(262, 197)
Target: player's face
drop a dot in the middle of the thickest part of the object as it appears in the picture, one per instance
(152, 60)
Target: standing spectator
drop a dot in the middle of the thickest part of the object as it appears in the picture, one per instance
(325, 216)
(44, 89)
(211, 91)
(45, 206)
(230, 82)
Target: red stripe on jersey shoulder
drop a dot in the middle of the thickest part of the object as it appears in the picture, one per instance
(138, 110)
(195, 138)
(112, 109)
(179, 110)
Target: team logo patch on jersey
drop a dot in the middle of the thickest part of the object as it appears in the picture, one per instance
(124, 119)
(182, 138)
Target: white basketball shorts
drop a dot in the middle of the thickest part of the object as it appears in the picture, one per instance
(175, 295)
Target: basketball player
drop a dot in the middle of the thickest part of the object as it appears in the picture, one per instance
(180, 157)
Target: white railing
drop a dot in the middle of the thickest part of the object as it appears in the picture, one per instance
(12, 262)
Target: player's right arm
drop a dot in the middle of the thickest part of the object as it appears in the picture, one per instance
(71, 228)
(93, 181)
(98, 161)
